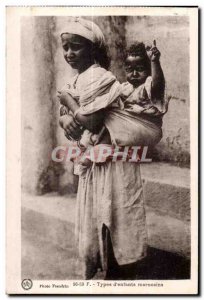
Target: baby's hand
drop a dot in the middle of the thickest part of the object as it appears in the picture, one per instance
(153, 53)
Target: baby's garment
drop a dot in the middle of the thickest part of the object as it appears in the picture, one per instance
(139, 100)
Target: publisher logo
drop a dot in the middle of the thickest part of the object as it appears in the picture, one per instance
(27, 284)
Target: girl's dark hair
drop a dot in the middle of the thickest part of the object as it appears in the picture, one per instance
(102, 56)
(139, 49)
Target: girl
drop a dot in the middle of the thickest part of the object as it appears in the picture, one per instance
(110, 224)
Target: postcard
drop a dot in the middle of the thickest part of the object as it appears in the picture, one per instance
(102, 150)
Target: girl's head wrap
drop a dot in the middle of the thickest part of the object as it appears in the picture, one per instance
(86, 29)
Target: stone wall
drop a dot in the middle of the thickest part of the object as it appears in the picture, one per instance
(38, 86)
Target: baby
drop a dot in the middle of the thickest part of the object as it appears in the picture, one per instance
(138, 120)
(143, 92)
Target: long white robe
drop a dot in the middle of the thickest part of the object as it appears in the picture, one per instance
(110, 195)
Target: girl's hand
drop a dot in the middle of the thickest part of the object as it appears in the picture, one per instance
(153, 53)
(72, 129)
(63, 97)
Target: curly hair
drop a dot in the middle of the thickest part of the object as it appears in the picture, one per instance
(136, 49)
(139, 49)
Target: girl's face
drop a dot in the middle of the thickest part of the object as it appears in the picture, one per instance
(136, 70)
(77, 51)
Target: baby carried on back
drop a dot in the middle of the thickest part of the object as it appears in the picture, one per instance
(133, 116)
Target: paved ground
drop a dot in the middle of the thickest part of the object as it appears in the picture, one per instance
(48, 244)
(44, 260)
(48, 231)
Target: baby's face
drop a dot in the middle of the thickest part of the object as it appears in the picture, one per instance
(76, 50)
(136, 70)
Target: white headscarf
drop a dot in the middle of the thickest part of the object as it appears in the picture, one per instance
(86, 29)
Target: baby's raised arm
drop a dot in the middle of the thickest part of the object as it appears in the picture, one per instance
(158, 81)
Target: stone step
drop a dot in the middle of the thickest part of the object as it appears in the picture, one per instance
(166, 173)
(167, 189)
(164, 232)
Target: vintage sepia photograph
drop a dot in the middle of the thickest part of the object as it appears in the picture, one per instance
(103, 169)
